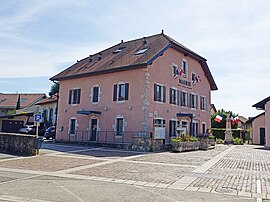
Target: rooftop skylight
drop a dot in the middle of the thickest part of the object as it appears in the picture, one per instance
(119, 50)
(142, 51)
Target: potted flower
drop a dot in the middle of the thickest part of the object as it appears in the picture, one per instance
(184, 143)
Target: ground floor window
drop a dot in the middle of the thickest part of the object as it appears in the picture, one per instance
(72, 126)
(119, 126)
(173, 125)
(203, 127)
(195, 128)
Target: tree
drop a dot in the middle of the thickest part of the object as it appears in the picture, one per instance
(54, 89)
(218, 129)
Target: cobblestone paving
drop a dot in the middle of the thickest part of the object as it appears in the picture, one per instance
(194, 158)
(137, 172)
(46, 163)
(245, 169)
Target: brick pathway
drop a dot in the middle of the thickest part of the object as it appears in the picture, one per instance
(233, 170)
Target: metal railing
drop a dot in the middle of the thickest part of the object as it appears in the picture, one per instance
(105, 136)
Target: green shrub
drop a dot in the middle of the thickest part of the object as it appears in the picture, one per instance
(184, 138)
(237, 141)
(211, 137)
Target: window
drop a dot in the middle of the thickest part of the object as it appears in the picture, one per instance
(74, 96)
(139, 52)
(195, 128)
(193, 101)
(159, 93)
(203, 127)
(120, 92)
(174, 96)
(185, 68)
(119, 50)
(184, 99)
(173, 124)
(159, 123)
(193, 77)
(175, 71)
(119, 126)
(203, 103)
(72, 126)
(95, 94)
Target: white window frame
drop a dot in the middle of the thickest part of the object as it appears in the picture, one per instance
(187, 126)
(174, 68)
(185, 71)
(195, 129)
(161, 93)
(69, 126)
(193, 80)
(195, 101)
(92, 94)
(203, 123)
(75, 102)
(123, 126)
(176, 95)
(184, 94)
(203, 102)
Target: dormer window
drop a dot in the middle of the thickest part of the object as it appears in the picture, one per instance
(142, 51)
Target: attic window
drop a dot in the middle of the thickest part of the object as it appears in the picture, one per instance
(119, 50)
(23, 100)
(142, 51)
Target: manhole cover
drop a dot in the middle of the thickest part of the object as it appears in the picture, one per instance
(224, 190)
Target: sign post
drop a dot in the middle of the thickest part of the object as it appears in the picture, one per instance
(37, 119)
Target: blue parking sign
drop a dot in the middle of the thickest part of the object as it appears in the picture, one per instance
(38, 118)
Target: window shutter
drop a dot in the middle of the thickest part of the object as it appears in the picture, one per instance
(155, 92)
(126, 91)
(115, 92)
(170, 95)
(197, 101)
(189, 100)
(79, 96)
(201, 102)
(164, 94)
(206, 104)
(70, 97)
(178, 97)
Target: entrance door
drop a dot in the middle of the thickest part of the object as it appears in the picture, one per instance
(93, 129)
(262, 136)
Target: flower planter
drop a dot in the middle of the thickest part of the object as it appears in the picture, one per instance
(185, 146)
(206, 143)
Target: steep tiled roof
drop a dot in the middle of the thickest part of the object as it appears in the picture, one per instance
(47, 100)
(27, 100)
(123, 57)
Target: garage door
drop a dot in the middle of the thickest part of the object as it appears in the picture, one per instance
(11, 126)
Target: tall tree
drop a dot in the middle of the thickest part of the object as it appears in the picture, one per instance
(54, 89)
(18, 104)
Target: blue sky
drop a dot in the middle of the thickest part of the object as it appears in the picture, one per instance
(40, 38)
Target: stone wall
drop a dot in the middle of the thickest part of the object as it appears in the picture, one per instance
(19, 144)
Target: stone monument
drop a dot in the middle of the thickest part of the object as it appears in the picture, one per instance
(228, 132)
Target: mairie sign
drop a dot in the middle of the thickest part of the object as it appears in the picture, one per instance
(38, 118)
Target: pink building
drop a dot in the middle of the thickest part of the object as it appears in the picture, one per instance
(261, 123)
(148, 86)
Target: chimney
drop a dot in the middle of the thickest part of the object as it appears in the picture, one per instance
(144, 40)
(99, 56)
(90, 58)
(122, 41)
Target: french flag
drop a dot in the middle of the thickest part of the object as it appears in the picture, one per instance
(232, 119)
(218, 118)
(236, 119)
